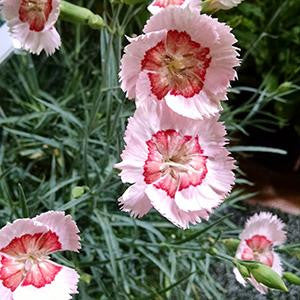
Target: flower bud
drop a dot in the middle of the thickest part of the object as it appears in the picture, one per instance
(78, 191)
(292, 278)
(243, 270)
(231, 245)
(267, 276)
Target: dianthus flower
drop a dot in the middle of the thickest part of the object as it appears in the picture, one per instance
(31, 22)
(262, 232)
(184, 59)
(26, 271)
(177, 165)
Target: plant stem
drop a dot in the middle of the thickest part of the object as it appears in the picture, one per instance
(80, 15)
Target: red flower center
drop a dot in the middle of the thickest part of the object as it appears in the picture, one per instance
(174, 161)
(177, 65)
(35, 13)
(165, 3)
(259, 248)
(25, 260)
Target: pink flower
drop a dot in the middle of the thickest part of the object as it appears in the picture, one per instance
(157, 5)
(215, 5)
(177, 165)
(31, 22)
(262, 232)
(184, 59)
(26, 271)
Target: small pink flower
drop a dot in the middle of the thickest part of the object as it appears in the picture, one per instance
(26, 271)
(262, 232)
(157, 5)
(184, 59)
(31, 22)
(215, 5)
(177, 165)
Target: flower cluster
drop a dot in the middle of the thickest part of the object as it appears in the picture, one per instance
(178, 71)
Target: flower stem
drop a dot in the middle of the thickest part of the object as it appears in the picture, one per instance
(80, 15)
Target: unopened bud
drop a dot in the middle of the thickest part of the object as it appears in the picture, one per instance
(212, 251)
(80, 15)
(291, 278)
(78, 191)
(243, 270)
(267, 276)
(231, 245)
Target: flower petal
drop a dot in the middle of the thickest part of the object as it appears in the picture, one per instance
(157, 5)
(19, 228)
(168, 208)
(135, 201)
(63, 226)
(61, 288)
(267, 225)
(132, 58)
(5, 293)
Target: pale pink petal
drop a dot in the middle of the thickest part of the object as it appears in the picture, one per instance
(214, 5)
(35, 42)
(61, 288)
(131, 60)
(267, 225)
(50, 40)
(156, 7)
(64, 226)
(5, 293)
(54, 14)
(258, 286)
(10, 9)
(135, 153)
(239, 277)
(168, 208)
(198, 198)
(198, 107)
(176, 18)
(135, 201)
(277, 264)
(19, 228)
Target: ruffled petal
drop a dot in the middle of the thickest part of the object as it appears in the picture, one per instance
(267, 225)
(64, 226)
(168, 208)
(198, 198)
(193, 4)
(5, 293)
(10, 9)
(19, 228)
(185, 20)
(239, 277)
(131, 60)
(61, 288)
(214, 5)
(135, 201)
